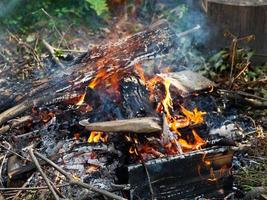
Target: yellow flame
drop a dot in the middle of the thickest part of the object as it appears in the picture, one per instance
(97, 136)
(167, 102)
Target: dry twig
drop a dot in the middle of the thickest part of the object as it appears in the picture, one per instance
(52, 53)
(51, 188)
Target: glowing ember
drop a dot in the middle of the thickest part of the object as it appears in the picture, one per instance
(140, 72)
(81, 99)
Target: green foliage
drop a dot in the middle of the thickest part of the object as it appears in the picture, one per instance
(99, 6)
(27, 15)
(219, 64)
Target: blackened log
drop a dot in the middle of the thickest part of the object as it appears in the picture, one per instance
(184, 176)
(111, 57)
(135, 98)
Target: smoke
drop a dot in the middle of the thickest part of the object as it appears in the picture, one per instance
(185, 15)
(191, 45)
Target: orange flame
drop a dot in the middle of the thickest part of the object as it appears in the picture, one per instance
(197, 144)
(196, 116)
(109, 78)
(140, 71)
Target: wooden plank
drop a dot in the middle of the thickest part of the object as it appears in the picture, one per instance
(188, 82)
(136, 125)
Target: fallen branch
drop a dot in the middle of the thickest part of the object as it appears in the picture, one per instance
(15, 111)
(73, 181)
(248, 99)
(15, 123)
(22, 107)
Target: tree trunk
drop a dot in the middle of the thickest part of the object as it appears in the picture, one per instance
(239, 17)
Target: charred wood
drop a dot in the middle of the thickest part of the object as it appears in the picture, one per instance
(135, 98)
(111, 57)
(190, 179)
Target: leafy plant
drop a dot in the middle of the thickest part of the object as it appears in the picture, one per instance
(99, 6)
(219, 64)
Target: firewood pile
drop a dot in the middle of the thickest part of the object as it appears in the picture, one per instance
(105, 128)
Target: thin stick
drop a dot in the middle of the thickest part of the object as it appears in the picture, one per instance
(242, 71)
(71, 50)
(11, 151)
(77, 182)
(57, 190)
(52, 53)
(243, 94)
(148, 180)
(34, 159)
(33, 188)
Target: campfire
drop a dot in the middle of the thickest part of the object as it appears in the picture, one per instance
(107, 126)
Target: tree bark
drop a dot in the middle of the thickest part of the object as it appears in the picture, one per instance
(241, 18)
